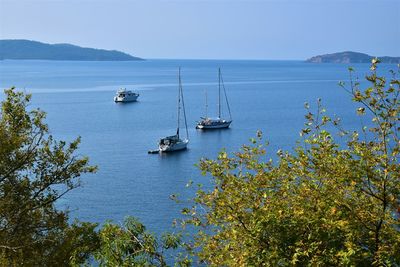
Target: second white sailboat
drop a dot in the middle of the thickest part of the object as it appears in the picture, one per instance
(216, 123)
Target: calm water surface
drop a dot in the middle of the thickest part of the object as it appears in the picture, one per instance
(78, 97)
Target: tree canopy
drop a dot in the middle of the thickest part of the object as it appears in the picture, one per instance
(35, 171)
(131, 244)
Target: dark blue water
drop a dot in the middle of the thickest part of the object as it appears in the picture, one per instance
(78, 97)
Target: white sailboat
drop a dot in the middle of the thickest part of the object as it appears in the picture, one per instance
(175, 142)
(216, 123)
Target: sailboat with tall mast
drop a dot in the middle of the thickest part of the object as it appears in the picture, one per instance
(218, 122)
(175, 142)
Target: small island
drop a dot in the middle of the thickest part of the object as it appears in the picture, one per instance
(350, 57)
(33, 50)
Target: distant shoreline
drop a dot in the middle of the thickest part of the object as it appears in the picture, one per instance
(349, 57)
(33, 50)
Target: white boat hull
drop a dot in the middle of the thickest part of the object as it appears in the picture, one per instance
(174, 147)
(131, 98)
(221, 125)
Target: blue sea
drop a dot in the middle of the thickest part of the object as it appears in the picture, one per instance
(78, 98)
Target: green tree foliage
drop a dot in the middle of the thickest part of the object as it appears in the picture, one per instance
(320, 205)
(35, 171)
(131, 245)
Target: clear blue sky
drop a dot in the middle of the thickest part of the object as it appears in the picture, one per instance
(219, 29)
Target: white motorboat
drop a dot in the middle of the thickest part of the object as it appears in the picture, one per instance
(175, 142)
(216, 123)
(124, 95)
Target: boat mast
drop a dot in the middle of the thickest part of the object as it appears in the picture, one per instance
(206, 104)
(219, 92)
(183, 104)
(226, 97)
(179, 100)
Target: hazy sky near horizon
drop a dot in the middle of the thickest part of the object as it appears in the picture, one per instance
(209, 29)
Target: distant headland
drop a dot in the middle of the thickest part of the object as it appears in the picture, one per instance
(33, 50)
(350, 57)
